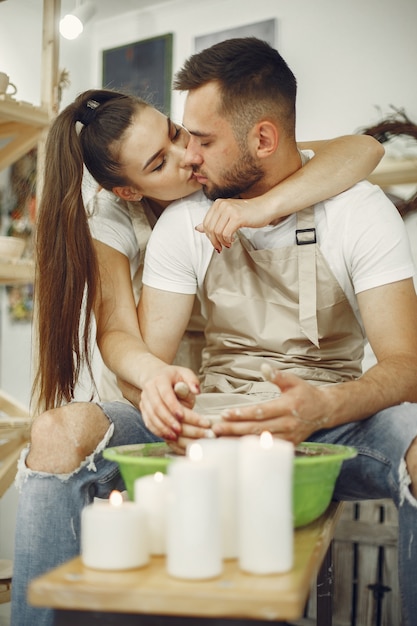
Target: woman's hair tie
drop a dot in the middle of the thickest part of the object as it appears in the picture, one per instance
(88, 112)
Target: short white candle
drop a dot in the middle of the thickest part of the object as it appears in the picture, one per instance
(114, 535)
(222, 452)
(265, 469)
(151, 493)
(193, 533)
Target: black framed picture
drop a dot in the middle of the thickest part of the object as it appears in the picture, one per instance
(143, 68)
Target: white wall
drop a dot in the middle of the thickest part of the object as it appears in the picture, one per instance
(352, 58)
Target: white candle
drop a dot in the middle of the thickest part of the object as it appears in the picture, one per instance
(114, 535)
(265, 468)
(222, 452)
(193, 533)
(151, 493)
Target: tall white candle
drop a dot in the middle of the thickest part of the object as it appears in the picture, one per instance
(151, 493)
(265, 469)
(114, 535)
(193, 532)
(222, 452)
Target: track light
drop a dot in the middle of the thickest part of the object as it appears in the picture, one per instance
(72, 24)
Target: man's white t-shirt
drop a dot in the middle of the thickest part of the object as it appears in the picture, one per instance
(360, 233)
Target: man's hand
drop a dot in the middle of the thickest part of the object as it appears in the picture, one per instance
(299, 411)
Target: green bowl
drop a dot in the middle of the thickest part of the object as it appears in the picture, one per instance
(316, 468)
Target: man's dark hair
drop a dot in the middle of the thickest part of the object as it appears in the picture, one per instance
(254, 80)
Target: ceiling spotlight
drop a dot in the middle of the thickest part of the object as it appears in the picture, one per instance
(72, 24)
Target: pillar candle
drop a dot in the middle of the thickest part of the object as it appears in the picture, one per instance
(223, 453)
(114, 535)
(193, 532)
(265, 468)
(151, 493)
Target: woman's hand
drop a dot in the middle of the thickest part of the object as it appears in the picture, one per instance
(225, 217)
(163, 412)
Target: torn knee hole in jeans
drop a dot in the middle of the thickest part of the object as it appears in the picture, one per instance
(405, 482)
(24, 472)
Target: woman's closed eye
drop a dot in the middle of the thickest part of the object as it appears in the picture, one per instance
(175, 133)
(160, 165)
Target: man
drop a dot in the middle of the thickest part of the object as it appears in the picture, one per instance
(298, 296)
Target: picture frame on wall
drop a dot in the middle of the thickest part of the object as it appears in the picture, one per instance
(142, 68)
(265, 30)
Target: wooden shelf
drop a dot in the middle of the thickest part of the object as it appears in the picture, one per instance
(8, 468)
(20, 272)
(14, 434)
(21, 127)
(22, 124)
(392, 171)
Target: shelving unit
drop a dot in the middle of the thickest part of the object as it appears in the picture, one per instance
(22, 127)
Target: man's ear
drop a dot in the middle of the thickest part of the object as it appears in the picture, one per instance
(130, 194)
(266, 138)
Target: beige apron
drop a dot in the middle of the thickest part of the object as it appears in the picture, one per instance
(283, 306)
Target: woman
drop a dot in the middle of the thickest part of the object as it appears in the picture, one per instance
(136, 155)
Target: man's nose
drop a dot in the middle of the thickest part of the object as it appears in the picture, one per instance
(193, 152)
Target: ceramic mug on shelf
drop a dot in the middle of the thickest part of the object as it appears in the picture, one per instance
(6, 85)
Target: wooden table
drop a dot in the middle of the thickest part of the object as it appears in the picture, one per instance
(148, 596)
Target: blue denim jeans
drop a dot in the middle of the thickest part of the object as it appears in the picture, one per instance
(48, 521)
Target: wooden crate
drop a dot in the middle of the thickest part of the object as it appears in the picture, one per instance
(365, 591)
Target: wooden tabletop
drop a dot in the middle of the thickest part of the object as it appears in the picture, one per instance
(17, 272)
(234, 594)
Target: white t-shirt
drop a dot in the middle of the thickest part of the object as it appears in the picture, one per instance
(360, 233)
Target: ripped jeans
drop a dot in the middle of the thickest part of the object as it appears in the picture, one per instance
(48, 521)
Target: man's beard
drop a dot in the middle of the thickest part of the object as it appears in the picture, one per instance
(240, 178)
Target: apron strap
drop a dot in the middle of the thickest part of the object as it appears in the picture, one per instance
(306, 246)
